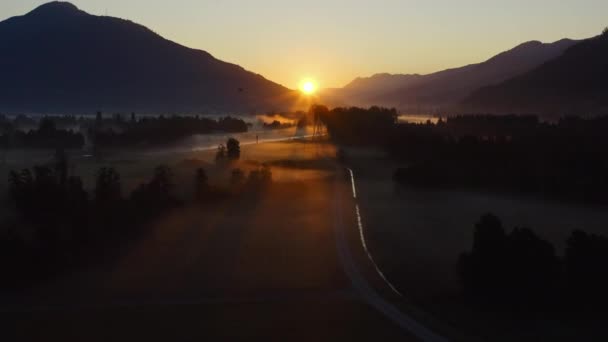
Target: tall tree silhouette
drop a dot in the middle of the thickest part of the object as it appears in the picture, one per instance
(234, 149)
(586, 260)
(201, 184)
(532, 268)
(61, 166)
(517, 269)
(237, 177)
(163, 179)
(156, 194)
(483, 268)
(108, 186)
(21, 190)
(220, 155)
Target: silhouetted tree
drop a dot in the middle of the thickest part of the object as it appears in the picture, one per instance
(519, 269)
(157, 194)
(318, 113)
(483, 268)
(233, 147)
(76, 211)
(76, 196)
(201, 184)
(48, 194)
(61, 165)
(259, 178)
(237, 177)
(532, 268)
(266, 175)
(254, 179)
(47, 126)
(21, 190)
(586, 273)
(162, 183)
(220, 155)
(108, 186)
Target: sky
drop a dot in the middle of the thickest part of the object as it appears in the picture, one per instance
(334, 41)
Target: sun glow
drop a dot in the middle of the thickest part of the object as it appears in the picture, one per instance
(308, 87)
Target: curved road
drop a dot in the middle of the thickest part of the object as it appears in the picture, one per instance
(367, 293)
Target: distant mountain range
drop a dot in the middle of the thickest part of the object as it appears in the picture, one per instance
(447, 88)
(59, 59)
(575, 82)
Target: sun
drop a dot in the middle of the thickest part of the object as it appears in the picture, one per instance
(308, 87)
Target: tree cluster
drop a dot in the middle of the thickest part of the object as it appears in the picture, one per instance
(229, 152)
(521, 271)
(356, 126)
(59, 225)
(258, 179)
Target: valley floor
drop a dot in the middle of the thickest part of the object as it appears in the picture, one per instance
(266, 267)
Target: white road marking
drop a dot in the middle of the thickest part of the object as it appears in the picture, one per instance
(359, 283)
(352, 182)
(363, 240)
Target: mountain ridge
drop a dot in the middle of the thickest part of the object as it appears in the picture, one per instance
(573, 83)
(448, 87)
(58, 58)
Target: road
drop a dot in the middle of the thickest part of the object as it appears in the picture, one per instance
(367, 293)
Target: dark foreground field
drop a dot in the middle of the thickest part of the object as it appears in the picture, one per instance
(264, 266)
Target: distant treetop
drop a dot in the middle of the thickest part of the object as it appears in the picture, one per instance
(605, 31)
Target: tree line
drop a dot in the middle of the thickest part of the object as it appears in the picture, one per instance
(160, 130)
(518, 270)
(276, 124)
(46, 135)
(565, 160)
(69, 132)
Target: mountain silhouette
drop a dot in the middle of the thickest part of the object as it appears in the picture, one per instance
(448, 87)
(573, 83)
(59, 59)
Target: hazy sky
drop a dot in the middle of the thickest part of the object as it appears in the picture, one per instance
(334, 41)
